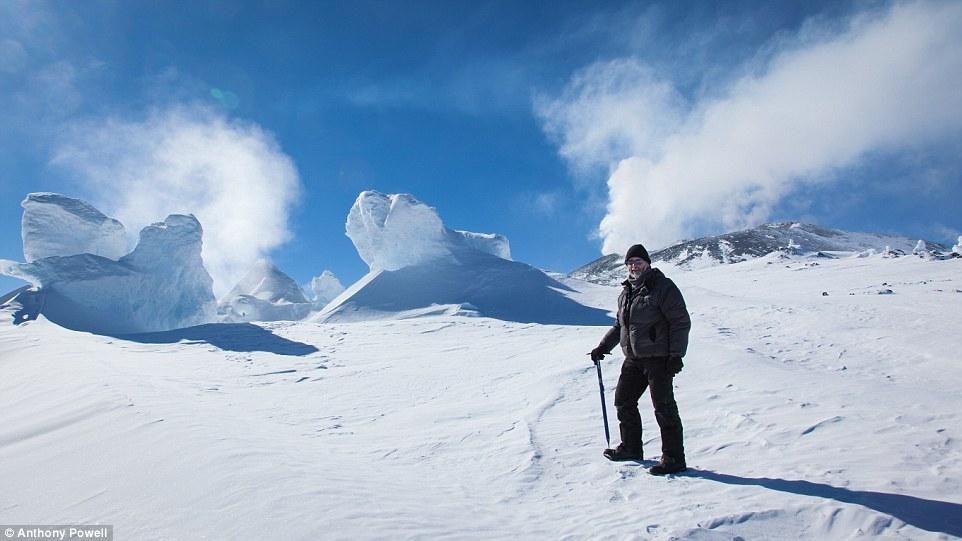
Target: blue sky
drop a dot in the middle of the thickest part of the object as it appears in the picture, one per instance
(508, 117)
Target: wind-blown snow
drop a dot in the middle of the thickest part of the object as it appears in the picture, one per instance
(807, 417)
(56, 225)
(265, 294)
(189, 159)
(161, 285)
(958, 247)
(394, 231)
(419, 266)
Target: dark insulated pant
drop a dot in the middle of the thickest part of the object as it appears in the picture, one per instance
(636, 376)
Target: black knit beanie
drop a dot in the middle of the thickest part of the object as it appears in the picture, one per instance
(637, 251)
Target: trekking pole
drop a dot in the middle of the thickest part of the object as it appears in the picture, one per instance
(604, 409)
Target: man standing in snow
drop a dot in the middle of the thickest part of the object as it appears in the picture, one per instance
(652, 328)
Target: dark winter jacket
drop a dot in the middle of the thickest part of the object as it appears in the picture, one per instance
(652, 320)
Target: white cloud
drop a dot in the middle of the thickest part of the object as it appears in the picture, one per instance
(52, 90)
(888, 81)
(546, 203)
(942, 231)
(231, 174)
(13, 57)
(612, 110)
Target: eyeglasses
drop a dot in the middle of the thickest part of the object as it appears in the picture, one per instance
(634, 261)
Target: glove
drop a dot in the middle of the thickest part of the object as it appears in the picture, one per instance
(597, 354)
(674, 364)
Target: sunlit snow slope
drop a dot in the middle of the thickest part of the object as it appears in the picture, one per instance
(807, 416)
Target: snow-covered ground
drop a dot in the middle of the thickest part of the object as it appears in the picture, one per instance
(807, 417)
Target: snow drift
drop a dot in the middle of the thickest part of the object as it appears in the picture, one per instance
(419, 266)
(161, 285)
(265, 294)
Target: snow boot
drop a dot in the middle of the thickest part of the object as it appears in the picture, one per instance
(668, 465)
(621, 454)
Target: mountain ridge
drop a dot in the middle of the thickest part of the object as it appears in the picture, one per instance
(785, 238)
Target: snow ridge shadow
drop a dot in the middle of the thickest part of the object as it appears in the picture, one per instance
(931, 515)
(244, 337)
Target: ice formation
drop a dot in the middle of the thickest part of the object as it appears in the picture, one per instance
(487, 242)
(266, 282)
(161, 285)
(419, 266)
(394, 231)
(56, 225)
(325, 288)
(265, 294)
